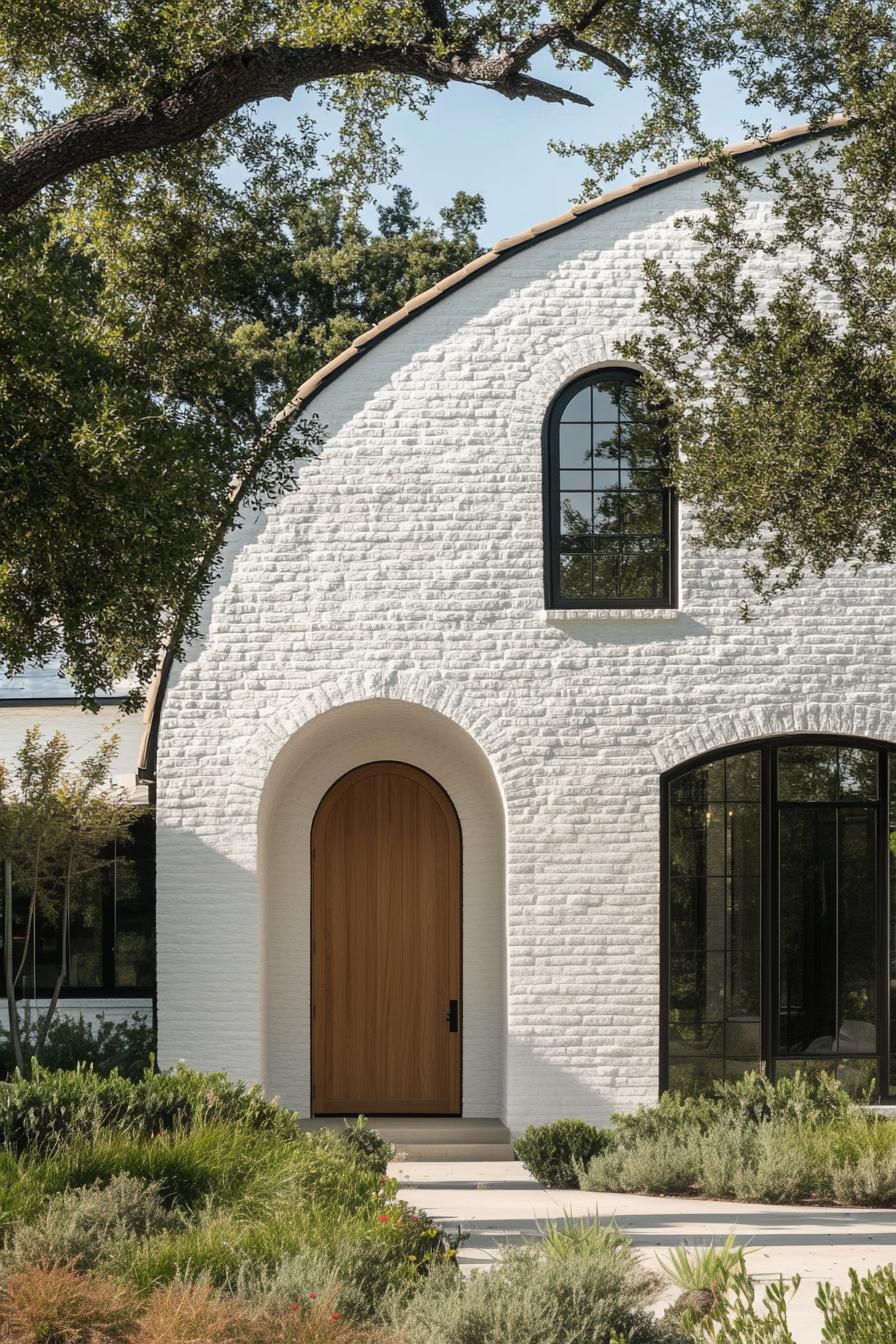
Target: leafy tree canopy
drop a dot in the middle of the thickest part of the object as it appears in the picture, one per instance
(782, 400)
(156, 318)
(144, 372)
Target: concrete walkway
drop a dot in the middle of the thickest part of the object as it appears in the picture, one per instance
(499, 1204)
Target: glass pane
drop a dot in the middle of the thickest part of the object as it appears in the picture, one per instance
(857, 1076)
(642, 575)
(807, 984)
(606, 478)
(86, 930)
(575, 575)
(606, 568)
(578, 407)
(743, 837)
(807, 774)
(606, 511)
(575, 480)
(715, 917)
(642, 515)
(606, 443)
(857, 1015)
(605, 401)
(697, 840)
(692, 1077)
(575, 513)
(742, 777)
(134, 916)
(858, 773)
(575, 447)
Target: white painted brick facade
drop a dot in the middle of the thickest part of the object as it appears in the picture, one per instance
(393, 604)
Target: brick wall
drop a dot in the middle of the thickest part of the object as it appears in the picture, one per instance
(407, 568)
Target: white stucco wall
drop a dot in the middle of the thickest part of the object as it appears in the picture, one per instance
(407, 568)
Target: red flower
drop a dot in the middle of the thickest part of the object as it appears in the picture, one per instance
(312, 1294)
(293, 1306)
(414, 1218)
(335, 1316)
(384, 1217)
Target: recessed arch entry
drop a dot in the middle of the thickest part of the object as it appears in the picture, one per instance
(776, 934)
(386, 945)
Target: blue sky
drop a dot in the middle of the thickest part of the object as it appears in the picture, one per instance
(476, 141)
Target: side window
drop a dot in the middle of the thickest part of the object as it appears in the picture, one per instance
(610, 526)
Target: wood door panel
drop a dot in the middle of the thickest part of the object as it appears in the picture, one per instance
(385, 945)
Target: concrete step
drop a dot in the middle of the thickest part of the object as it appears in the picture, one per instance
(453, 1152)
(426, 1138)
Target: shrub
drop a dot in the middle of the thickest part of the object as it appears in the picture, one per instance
(867, 1179)
(196, 1314)
(534, 1298)
(88, 1226)
(56, 1305)
(51, 1108)
(667, 1164)
(788, 1164)
(726, 1151)
(555, 1151)
(366, 1143)
(865, 1313)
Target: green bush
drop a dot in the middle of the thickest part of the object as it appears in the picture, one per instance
(596, 1294)
(53, 1107)
(90, 1226)
(801, 1139)
(666, 1164)
(865, 1313)
(555, 1152)
(367, 1144)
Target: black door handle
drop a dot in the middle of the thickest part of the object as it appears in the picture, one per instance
(451, 1019)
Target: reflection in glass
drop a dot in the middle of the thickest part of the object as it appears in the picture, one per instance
(612, 470)
(714, 922)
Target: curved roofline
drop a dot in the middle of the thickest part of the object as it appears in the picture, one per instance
(577, 214)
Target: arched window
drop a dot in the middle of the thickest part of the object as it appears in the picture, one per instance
(610, 517)
(776, 945)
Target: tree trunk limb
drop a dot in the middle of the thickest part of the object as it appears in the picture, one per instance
(271, 70)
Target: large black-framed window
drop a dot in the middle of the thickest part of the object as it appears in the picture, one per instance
(111, 940)
(778, 945)
(610, 516)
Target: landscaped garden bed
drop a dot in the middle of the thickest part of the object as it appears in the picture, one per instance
(183, 1208)
(803, 1139)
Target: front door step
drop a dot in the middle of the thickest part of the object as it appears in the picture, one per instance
(435, 1138)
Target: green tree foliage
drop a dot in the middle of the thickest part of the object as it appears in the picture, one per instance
(147, 364)
(783, 405)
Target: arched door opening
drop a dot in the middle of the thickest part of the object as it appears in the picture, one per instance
(385, 920)
(776, 926)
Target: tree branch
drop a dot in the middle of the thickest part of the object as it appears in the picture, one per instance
(436, 13)
(274, 71)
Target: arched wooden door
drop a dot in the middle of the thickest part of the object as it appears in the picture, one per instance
(385, 925)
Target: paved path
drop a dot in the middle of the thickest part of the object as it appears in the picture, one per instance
(499, 1204)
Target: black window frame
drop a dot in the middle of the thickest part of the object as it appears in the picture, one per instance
(554, 597)
(770, 805)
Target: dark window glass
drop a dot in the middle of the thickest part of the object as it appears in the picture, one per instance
(803, 988)
(714, 922)
(610, 524)
(111, 926)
